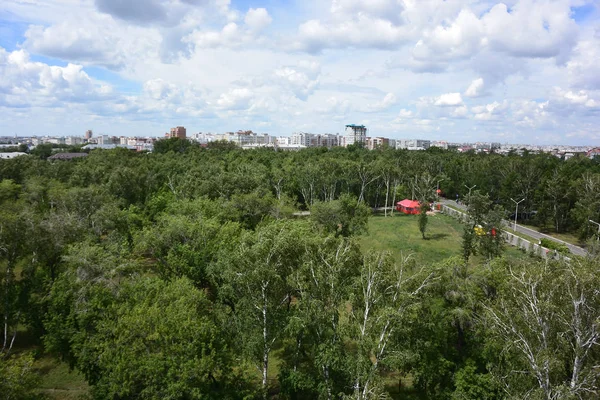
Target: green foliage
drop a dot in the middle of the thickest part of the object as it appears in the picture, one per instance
(175, 145)
(545, 320)
(165, 344)
(9, 191)
(181, 273)
(343, 217)
(552, 245)
(468, 245)
(184, 245)
(486, 221)
(316, 360)
(17, 378)
(42, 151)
(471, 384)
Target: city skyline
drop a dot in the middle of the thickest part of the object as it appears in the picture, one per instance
(522, 71)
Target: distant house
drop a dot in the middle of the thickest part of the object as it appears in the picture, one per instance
(7, 156)
(410, 207)
(107, 146)
(593, 153)
(67, 156)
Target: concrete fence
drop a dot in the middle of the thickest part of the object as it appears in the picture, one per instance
(511, 239)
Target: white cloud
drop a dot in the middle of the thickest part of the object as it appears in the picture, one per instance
(476, 88)
(339, 108)
(257, 19)
(460, 39)
(233, 34)
(449, 100)
(92, 41)
(584, 67)
(137, 11)
(532, 29)
(235, 99)
(489, 111)
(361, 32)
(578, 102)
(528, 29)
(388, 101)
(404, 113)
(220, 65)
(23, 81)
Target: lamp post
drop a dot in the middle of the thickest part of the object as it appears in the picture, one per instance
(516, 211)
(470, 188)
(594, 222)
(437, 191)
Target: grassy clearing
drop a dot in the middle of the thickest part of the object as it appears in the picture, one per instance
(400, 235)
(58, 381)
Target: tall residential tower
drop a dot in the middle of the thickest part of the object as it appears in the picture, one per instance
(355, 134)
(178, 132)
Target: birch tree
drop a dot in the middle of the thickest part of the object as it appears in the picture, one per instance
(384, 293)
(547, 318)
(255, 281)
(366, 176)
(317, 353)
(15, 227)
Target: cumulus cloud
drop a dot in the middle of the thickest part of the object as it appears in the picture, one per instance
(531, 114)
(235, 99)
(449, 100)
(565, 102)
(489, 111)
(39, 84)
(529, 29)
(584, 67)
(133, 10)
(257, 19)
(361, 32)
(301, 79)
(458, 40)
(233, 34)
(404, 114)
(213, 60)
(476, 88)
(532, 29)
(388, 101)
(98, 42)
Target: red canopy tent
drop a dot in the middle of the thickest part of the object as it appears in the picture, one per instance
(408, 206)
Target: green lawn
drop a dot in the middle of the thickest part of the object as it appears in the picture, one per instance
(400, 235)
(58, 381)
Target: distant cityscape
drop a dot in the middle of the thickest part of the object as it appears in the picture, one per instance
(248, 139)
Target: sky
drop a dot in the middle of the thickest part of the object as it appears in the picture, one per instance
(522, 71)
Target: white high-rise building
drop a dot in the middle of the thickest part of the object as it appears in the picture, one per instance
(301, 139)
(355, 134)
(413, 144)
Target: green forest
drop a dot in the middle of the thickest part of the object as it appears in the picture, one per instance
(219, 273)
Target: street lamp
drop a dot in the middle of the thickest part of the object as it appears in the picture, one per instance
(437, 191)
(516, 211)
(470, 188)
(469, 195)
(594, 222)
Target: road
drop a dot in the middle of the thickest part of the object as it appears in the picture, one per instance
(578, 251)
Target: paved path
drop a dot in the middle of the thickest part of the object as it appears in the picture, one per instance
(578, 251)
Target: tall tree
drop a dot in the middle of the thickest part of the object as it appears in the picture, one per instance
(255, 282)
(546, 317)
(16, 224)
(384, 294)
(316, 365)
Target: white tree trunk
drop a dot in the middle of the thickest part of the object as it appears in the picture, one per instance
(265, 363)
